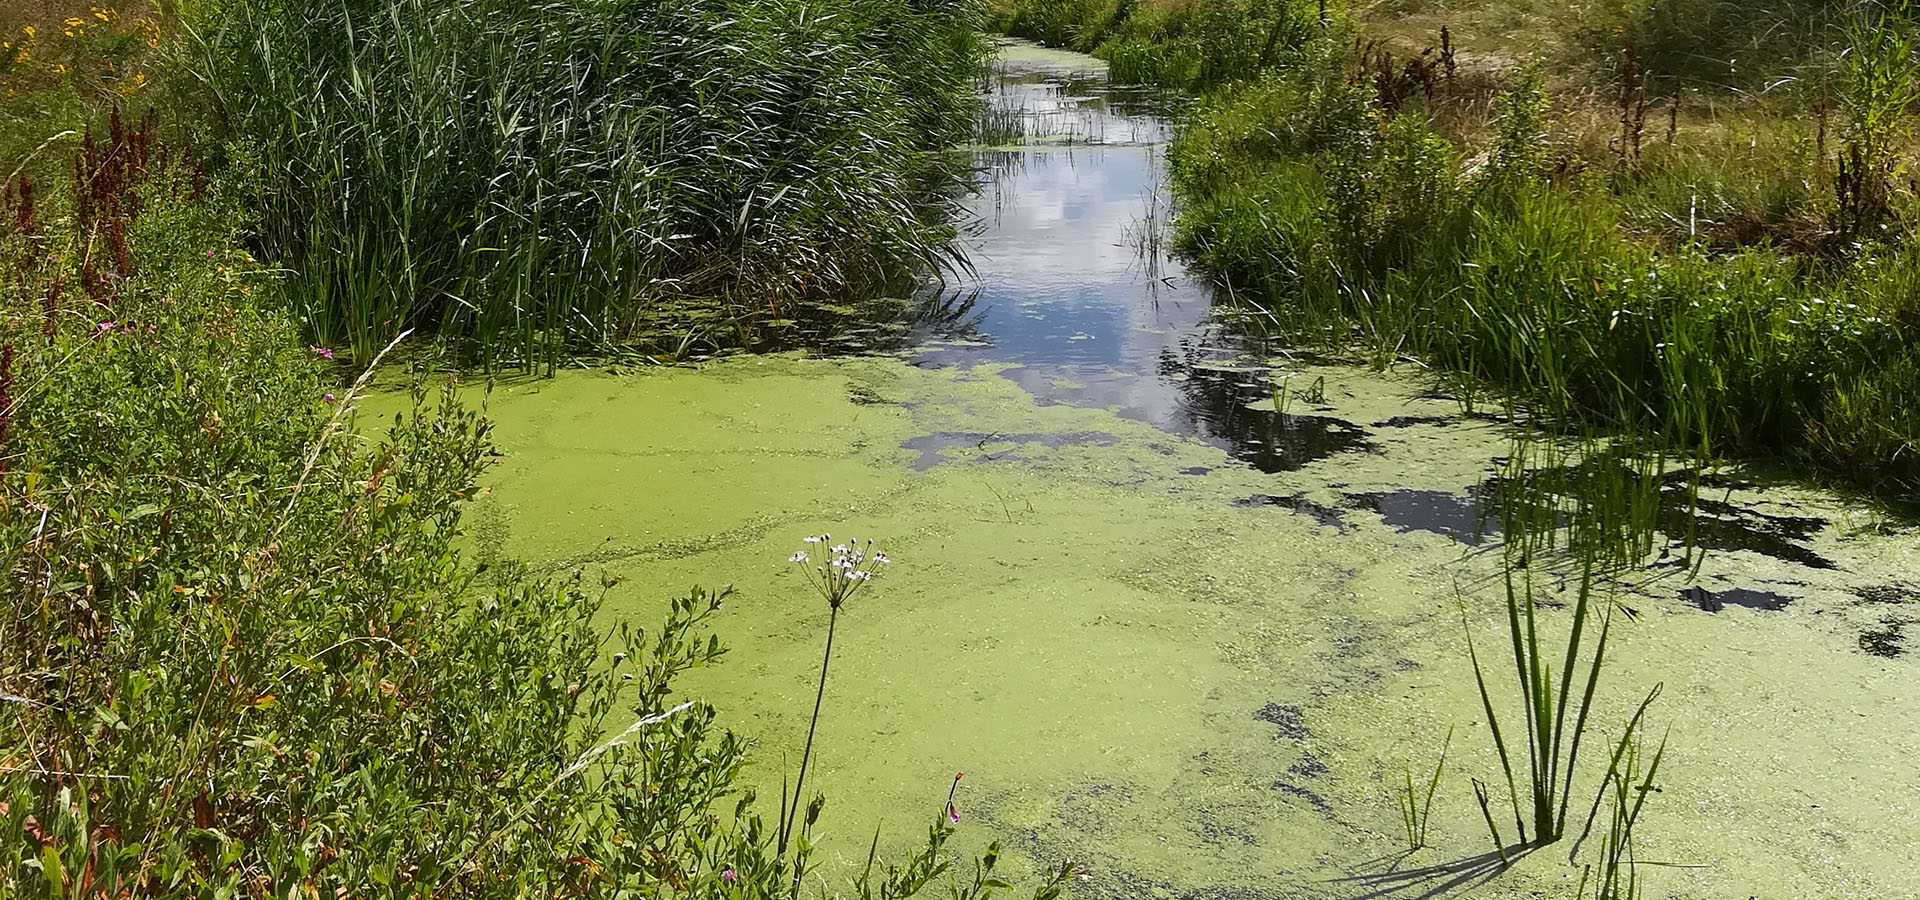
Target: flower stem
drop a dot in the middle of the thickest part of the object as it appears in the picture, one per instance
(786, 828)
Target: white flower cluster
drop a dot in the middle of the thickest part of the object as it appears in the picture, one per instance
(847, 567)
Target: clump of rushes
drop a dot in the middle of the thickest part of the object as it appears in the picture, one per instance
(543, 178)
(1553, 743)
(846, 568)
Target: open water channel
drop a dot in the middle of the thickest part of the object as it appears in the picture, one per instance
(1180, 630)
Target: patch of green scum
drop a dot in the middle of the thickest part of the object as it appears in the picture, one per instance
(1784, 774)
(1023, 54)
(1193, 696)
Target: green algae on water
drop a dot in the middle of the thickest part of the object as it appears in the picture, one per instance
(1131, 669)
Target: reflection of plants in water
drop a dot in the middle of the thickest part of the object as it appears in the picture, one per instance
(1226, 403)
(1000, 124)
(1146, 236)
(1599, 504)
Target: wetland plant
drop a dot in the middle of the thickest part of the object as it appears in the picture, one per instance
(536, 178)
(1625, 790)
(1416, 804)
(1552, 742)
(846, 569)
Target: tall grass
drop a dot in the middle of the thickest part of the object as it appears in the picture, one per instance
(1355, 224)
(1186, 45)
(534, 177)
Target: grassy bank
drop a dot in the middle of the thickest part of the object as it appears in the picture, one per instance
(245, 655)
(1640, 242)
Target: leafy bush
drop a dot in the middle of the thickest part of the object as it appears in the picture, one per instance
(245, 656)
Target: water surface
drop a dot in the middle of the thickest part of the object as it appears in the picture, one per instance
(1182, 604)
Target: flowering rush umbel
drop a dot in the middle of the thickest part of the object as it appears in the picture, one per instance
(846, 568)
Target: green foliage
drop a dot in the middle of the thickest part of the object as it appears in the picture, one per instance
(538, 177)
(1879, 85)
(1625, 789)
(1552, 740)
(1511, 267)
(1187, 45)
(1417, 805)
(1721, 42)
(246, 656)
(1520, 152)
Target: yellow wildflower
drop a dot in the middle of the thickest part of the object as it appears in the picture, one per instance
(28, 31)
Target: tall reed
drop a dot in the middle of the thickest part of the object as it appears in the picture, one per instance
(537, 176)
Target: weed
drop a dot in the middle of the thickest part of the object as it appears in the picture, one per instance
(1552, 747)
(1416, 805)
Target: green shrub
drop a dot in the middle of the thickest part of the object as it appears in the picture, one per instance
(245, 656)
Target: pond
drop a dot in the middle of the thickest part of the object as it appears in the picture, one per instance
(1183, 605)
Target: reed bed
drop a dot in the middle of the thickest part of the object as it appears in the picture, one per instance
(533, 179)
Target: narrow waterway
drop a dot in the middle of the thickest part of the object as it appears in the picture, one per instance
(1183, 605)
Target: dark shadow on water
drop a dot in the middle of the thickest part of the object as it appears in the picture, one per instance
(1436, 880)
(1715, 601)
(1473, 517)
(1298, 503)
(1462, 518)
(931, 445)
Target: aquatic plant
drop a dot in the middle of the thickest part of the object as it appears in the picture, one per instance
(844, 569)
(1625, 789)
(1552, 747)
(536, 179)
(1417, 805)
